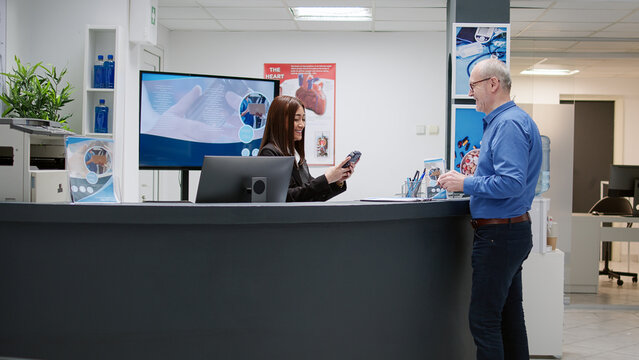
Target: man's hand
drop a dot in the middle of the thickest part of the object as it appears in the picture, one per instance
(452, 181)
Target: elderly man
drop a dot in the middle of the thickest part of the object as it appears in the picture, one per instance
(501, 192)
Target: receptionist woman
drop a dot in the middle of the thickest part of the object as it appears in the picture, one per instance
(284, 136)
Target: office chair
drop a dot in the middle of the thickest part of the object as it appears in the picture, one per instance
(612, 206)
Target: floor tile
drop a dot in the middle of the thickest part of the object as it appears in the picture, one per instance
(604, 325)
(629, 350)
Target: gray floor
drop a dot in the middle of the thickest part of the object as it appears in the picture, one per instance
(604, 325)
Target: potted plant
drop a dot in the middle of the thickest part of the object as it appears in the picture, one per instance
(36, 92)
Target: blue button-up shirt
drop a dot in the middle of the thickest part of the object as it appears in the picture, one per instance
(508, 167)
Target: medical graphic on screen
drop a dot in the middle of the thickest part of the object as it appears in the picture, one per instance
(473, 43)
(184, 117)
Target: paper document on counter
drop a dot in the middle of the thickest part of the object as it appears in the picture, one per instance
(396, 199)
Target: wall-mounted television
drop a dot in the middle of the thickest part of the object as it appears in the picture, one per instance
(184, 117)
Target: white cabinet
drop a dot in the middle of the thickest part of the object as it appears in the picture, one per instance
(100, 40)
(543, 291)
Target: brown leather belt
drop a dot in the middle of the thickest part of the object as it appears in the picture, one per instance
(481, 222)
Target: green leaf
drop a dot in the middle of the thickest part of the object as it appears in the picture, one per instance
(32, 91)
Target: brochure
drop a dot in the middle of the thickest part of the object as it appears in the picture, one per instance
(433, 169)
(90, 165)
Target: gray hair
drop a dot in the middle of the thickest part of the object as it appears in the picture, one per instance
(494, 67)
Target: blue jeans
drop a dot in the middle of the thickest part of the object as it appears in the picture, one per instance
(496, 314)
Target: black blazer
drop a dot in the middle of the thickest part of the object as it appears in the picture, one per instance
(304, 187)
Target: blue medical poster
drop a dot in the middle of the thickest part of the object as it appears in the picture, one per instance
(90, 165)
(468, 130)
(474, 43)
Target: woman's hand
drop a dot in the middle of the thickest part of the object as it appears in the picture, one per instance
(338, 174)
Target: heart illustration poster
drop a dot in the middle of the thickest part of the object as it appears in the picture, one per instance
(314, 85)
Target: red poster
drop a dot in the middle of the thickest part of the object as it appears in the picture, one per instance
(314, 84)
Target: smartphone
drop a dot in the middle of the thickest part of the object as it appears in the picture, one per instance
(354, 158)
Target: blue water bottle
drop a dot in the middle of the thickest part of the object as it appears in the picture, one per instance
(101, 118)
(98, 72)
(543, 182)
(109, 72)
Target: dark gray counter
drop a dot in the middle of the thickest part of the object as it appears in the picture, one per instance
(333, 280)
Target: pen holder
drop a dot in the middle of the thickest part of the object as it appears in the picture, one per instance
(413, 189)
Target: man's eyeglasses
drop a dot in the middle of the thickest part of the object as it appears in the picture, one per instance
(472, 84)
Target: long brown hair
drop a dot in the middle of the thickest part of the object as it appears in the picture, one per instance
(280, 123)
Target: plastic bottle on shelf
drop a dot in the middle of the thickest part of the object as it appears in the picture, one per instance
(109, 72)
(98, 72)
(543, 182)
(101, 118)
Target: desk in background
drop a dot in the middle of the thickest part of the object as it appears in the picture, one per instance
(587, 235)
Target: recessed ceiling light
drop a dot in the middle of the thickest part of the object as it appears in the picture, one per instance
(332, 13)
(550, 72)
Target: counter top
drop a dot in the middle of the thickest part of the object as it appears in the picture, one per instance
(240, 213)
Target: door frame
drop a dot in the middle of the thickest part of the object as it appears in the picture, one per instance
(619, 133)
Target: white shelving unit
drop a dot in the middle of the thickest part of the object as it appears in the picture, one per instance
(100, 40)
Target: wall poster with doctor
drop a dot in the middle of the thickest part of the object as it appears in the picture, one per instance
(474, 43)
(314, 84)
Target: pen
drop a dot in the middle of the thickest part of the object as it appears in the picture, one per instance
(420, 180)
(422, 177)
(417, 183)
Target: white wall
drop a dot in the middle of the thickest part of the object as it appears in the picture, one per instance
(53, 32)
(387, 83)
(547, 90)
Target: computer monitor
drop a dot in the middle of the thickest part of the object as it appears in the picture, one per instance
(624, 182)
(229, 179)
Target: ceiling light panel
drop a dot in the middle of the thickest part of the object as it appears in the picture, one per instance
(332, 13)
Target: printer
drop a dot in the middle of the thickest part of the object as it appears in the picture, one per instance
(32, 161)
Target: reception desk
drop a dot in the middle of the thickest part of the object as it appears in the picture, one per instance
(352, 280)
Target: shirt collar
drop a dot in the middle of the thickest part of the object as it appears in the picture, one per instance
(493, 114)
